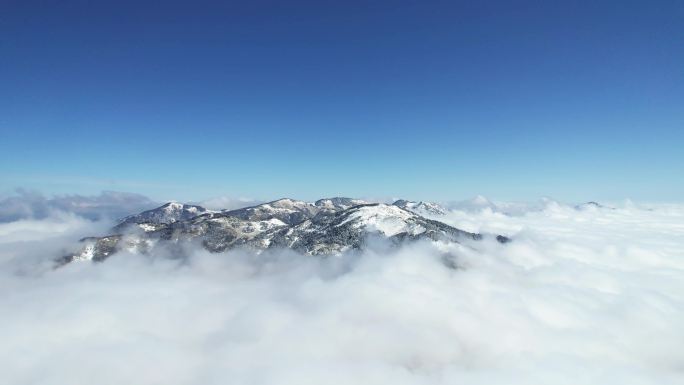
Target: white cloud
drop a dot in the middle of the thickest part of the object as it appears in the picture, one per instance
(580, 297)
(33, 243)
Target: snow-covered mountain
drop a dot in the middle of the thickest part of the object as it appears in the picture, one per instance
(328, 226)
(592, 206)
(422, 208)
(351, 228)
(163, 215)
(336, 204)
(289, 211)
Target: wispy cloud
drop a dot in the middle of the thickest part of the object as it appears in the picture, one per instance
(26, 204)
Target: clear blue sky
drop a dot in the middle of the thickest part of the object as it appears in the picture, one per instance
(422, 99)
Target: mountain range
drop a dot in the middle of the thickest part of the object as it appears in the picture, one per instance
(326, 227)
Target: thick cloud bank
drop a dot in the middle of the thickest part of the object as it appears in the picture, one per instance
(581, 296)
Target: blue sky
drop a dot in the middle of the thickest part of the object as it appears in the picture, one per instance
(424, 99)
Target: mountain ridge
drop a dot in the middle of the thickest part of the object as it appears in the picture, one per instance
(328, 226)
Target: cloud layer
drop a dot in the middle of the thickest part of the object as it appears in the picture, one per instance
(109, 204)
(580, 297)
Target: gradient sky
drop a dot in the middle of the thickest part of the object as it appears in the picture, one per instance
(423, 99)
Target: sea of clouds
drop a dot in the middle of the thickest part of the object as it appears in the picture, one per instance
(589, 295)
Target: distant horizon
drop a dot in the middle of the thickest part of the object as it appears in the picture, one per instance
(232, 201)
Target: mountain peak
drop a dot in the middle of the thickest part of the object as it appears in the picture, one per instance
(167, 213)
(592, 205)
(423, 208)
(290, 211)
(338, 203)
